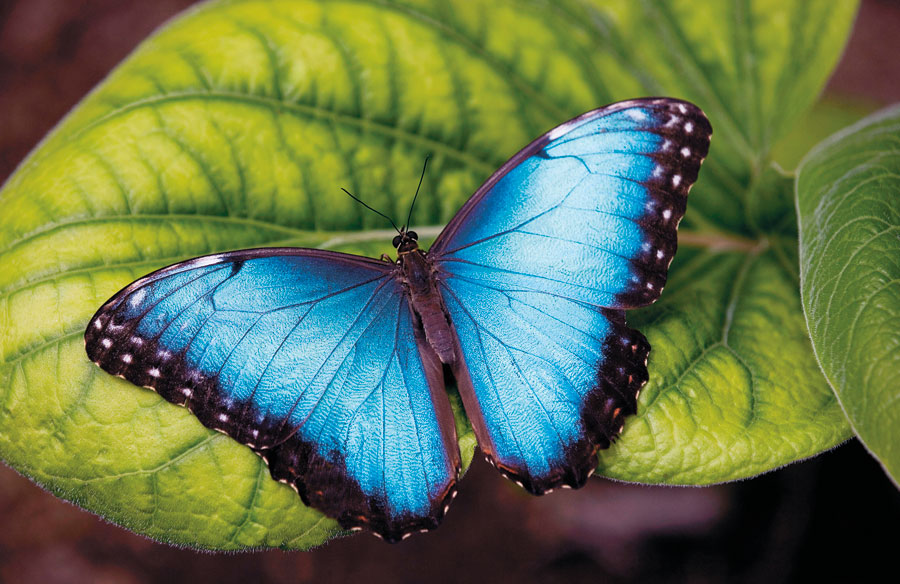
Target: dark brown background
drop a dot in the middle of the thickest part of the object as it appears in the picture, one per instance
(827, 518)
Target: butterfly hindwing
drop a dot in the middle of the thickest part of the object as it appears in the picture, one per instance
(310, 358)
(537, 267)
(545, 380)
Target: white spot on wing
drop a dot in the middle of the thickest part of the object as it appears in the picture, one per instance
(208, 260)
(676, 180)
(137, 297)
(688, 127)
(106, 343)
(153, 372)
(686, 152)
(637, 115)
(667, 214)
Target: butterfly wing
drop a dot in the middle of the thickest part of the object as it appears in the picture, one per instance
(309, 357)
(536, 268)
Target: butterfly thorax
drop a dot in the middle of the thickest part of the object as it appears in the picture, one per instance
(426, 301)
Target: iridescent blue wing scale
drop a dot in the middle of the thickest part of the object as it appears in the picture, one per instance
(536, 269)
(312, 359)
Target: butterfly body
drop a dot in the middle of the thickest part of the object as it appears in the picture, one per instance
(418, 275)
(331, 367)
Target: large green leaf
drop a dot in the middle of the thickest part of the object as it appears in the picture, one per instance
(849, 209)
(237, 124)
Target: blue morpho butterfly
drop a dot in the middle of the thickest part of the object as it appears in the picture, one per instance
(331, 366)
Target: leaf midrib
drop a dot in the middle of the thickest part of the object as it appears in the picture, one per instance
(52, 227)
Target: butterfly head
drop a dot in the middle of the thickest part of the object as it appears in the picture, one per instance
(406, 241)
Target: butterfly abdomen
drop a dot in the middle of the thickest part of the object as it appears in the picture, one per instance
(428, 304)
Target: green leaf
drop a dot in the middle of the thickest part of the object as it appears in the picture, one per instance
(850, 272)
(237, 124)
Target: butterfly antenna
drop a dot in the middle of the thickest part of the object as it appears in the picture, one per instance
(408, 217)
(371, 209)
